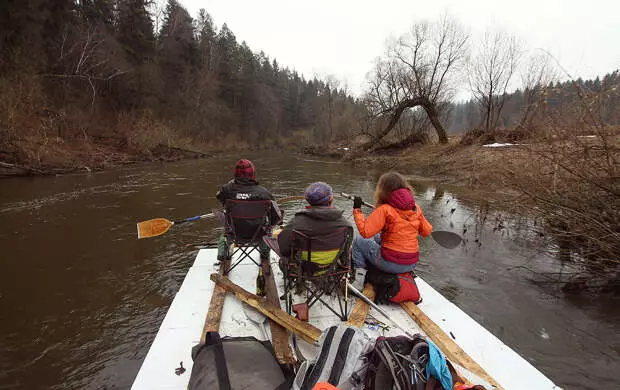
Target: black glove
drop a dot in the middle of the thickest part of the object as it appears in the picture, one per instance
(357, 202)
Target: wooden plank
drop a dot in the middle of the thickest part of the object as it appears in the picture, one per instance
(304, 330)
(361, 308)
(214, 315)
(452, 351)
(279, 335)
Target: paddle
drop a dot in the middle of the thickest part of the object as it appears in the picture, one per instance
(377, 308)
(158, 226)
(446, 239)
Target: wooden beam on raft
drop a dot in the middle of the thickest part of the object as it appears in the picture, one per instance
(214, 315)
(279, 335)
(361, 308)
(453, 352)
(304, 330)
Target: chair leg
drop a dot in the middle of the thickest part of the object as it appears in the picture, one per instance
(287, 294)
(318, 293)
(245, 252)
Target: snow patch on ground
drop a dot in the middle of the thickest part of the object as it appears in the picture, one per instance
(498, 145)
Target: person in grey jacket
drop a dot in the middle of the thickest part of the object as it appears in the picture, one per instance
(319, 218)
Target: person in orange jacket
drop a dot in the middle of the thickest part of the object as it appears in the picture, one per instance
(398, 220)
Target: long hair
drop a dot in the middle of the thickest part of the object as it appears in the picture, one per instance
(388, 182)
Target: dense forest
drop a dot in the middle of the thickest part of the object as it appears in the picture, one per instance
(100, 76)
(128, 73)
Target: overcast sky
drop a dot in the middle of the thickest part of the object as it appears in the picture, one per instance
(343, 38)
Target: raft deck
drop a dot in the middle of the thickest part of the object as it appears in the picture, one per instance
(182, 327)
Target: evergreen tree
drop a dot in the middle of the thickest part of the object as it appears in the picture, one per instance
(135, 30)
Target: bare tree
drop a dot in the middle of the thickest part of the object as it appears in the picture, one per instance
(86, 60)
(536, 74)
(490, 72)
(417, 71)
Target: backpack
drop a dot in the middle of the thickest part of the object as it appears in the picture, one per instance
(237, 363)
(397, 363)
(341, 360)
(402, 363)
(393, 287)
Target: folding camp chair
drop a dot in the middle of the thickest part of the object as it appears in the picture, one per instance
(246, 222)
(323, 275)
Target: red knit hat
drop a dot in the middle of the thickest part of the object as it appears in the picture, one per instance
(245, 169)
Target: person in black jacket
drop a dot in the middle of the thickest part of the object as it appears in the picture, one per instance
(319, 218)
(245, 187)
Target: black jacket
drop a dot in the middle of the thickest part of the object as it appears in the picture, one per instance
(243, 189)
(247, 189)
(311, 221)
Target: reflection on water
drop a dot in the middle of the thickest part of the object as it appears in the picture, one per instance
(82, 299)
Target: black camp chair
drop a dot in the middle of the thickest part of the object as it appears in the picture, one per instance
(300, 272)
(246, 222)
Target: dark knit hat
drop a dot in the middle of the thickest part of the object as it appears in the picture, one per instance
(245, 169)
(319, 194)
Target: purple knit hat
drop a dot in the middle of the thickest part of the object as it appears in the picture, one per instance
(319, 194)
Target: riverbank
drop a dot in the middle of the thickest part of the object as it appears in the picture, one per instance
(473, 166)
(34, 156)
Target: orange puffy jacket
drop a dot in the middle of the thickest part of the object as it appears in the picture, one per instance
(399, 228)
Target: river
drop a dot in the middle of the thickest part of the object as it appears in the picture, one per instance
(81, 299)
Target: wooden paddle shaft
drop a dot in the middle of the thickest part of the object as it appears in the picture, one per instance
(349, 196)
(214, 315)
(304, 330)
(451, 349)
(380, 310)
(279, 335)
(361, 308)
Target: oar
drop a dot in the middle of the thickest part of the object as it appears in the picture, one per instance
(158, 226)
(377, 308)
(444, 238)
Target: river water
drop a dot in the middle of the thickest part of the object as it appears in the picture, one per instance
(81, 299)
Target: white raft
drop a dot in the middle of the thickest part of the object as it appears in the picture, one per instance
(183, 324)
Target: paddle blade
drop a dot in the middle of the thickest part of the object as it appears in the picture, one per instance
(448, 240)
(153, 227)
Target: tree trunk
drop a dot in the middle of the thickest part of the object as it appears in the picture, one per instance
(433, 116)
(397, 111)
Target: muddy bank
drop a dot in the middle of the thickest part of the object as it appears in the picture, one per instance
(54, 157)
(477, 168)
(473, 166)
